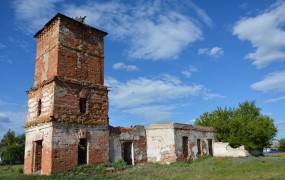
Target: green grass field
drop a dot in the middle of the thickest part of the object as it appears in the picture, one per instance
(268, 167)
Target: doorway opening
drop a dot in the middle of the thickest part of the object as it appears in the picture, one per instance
(199, 147)
(82, 151)
(185, 146)
(127, 152)
(210, 146)
(38, 146)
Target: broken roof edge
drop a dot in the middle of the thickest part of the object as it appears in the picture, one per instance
(173, 125)
(119, 129)
(69, 18)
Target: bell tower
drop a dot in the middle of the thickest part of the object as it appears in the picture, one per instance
(67, 120)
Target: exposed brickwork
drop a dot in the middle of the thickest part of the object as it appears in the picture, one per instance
(65, 145)
(70, 49)
(81, 53)
(69, 67)
(47, 53)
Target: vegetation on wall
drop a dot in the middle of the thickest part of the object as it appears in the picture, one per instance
(12, 148)
(244, 125)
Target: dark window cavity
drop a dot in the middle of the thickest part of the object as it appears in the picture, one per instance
(39, 107)
(82, 105)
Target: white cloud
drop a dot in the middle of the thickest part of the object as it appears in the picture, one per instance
(6, 103)
(153, 113)
(137, 95)
(33, 14)
(272, 82)
(189, 71)
(215, 52)
(266, 33)
(152, 32)
(202, 14)
(278, 123)
(12, 120)
(123, 66)
(274, 100)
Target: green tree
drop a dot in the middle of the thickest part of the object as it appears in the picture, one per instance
(244, 125)
(12, 148)
(218, 119)
(282, 145)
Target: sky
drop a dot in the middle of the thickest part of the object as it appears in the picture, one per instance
(164, 60)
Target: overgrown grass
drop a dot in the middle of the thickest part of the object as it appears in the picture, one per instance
(268, 167)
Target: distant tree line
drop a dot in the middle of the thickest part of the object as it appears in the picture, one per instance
(244, 125)
(12, 148)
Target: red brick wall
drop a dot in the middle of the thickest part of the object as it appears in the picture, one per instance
(69, 66)
(69, 49)
(47, 53)
(81, 53)
(65, 145)
(66, 104)
(99, 148)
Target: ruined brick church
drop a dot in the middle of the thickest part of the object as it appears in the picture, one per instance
(67, 122)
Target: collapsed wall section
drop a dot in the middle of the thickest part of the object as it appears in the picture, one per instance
(193, 142)
(128, 144)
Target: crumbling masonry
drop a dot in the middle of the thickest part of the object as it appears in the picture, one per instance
(67, 122)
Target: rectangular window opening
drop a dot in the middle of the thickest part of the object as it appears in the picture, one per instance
(39, 107)
(82, 105)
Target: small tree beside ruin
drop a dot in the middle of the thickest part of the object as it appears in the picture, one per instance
(244, 125)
